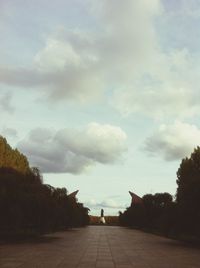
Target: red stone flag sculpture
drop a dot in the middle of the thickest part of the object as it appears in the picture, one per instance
(135, 199)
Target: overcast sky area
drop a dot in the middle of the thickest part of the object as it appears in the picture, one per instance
(102, 96)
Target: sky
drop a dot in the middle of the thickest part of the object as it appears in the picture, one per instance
(102, 96)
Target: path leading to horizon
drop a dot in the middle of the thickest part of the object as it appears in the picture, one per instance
(99, 246)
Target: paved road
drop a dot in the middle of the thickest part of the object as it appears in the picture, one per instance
(99, 246)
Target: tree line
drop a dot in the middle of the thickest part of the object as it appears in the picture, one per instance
(27, 205)
(160, 213)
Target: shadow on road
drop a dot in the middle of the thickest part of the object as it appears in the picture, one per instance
(48, 238)
(28, 240)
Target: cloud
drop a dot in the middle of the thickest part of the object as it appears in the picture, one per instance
(72, 150)
(65, 69)
(11, 132)
(107, 203)
(166, 91)
(182, 7)
(5, 102)
(173, 142)
(125, 51)
(80, 64)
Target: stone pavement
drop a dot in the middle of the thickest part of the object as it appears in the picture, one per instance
(99, 246)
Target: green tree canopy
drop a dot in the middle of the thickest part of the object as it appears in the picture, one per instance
(12, 158)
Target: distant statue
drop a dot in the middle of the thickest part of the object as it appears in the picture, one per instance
(102, 219)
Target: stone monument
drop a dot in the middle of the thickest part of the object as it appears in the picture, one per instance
(102, 219)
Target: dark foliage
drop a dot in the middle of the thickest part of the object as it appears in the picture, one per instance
(188, 194)
(152, 214)
(27, 206)
(159, 213)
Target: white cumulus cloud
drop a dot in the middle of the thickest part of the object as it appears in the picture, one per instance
(124, 52)
(106, 203)
(173, 142)
(74, 150)
(81, 63)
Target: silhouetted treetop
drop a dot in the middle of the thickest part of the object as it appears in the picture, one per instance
(188, 180)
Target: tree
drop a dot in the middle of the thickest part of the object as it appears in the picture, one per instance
(154, 213)
(188, 193)
(12, 158)
(134, 216)
(27, 206)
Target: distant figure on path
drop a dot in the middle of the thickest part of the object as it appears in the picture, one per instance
(102, 219)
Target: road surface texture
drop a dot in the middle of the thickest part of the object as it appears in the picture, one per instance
(99, 246)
